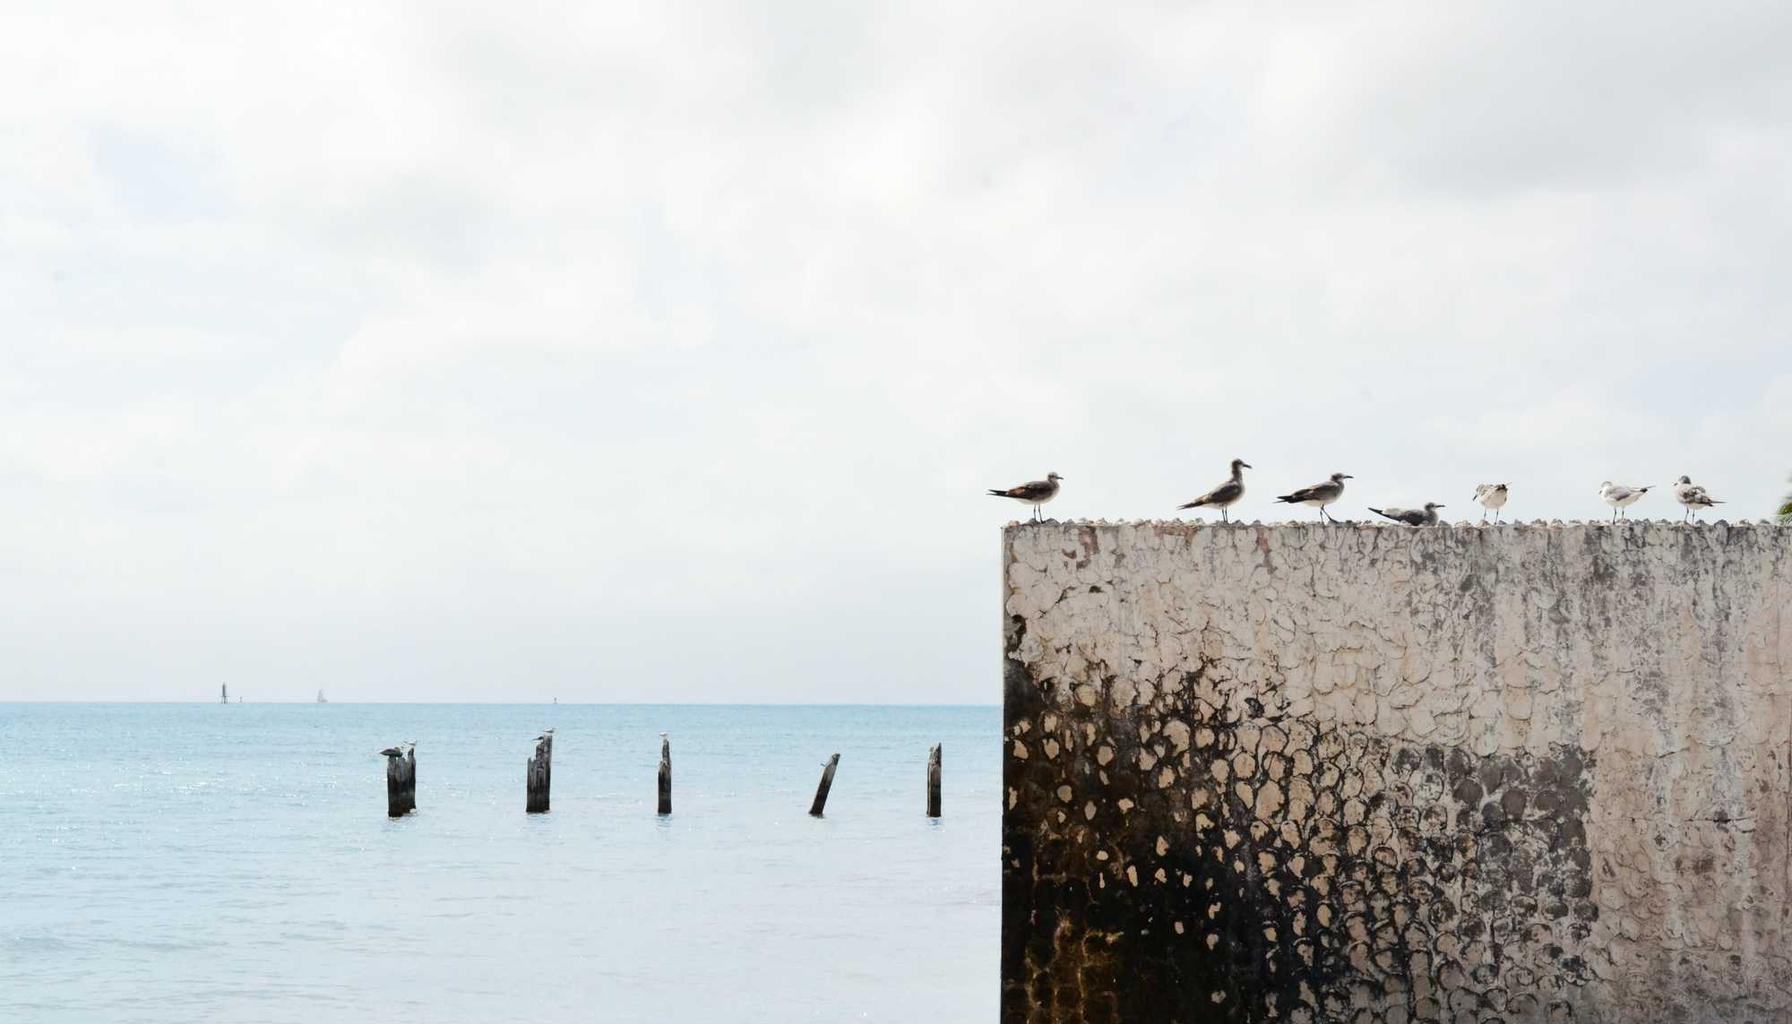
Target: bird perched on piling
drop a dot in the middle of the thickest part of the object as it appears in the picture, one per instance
(1692, 496)
(1426, 516)
(1491, 496)
(1319, 495)
(1225, 495)
(1620, 496)
(1034, 493)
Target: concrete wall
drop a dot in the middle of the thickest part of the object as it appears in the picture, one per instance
(1312, 773)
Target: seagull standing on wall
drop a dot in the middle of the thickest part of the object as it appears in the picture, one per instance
(1426, 516)
(1225, 495)
(1491, 496)
(1034, 493)
(1692, 496)
(1620, 496)
(1319, 495)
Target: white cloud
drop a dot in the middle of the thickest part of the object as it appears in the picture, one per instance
(665, 349)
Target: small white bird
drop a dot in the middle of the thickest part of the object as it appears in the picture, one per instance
(1034, 493)
(1692, 496)
(1620, 496)
(1225, 495)
(1426, 516)
(1319, 495)
(1491, 496)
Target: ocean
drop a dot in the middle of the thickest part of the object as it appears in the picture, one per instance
(199, 863)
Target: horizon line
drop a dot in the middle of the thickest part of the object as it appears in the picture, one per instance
(506, 703)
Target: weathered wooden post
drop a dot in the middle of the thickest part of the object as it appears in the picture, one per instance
(665, 774)
(540, 772)
(401, 781)
(933, 782)
(821, 791)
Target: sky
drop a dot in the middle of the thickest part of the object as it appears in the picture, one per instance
(663, 351)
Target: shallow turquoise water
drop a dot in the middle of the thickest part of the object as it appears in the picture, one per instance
(164, 863)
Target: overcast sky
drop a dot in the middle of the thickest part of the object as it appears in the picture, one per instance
(662, 351)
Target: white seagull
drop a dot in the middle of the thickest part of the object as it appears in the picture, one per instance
(1319, 495)
(1225, 495)
(1491, 496)
(1034, 493)
(1620, 496)
(1426, 516)
(1692, 496)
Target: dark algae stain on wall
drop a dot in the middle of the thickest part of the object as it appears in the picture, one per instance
(1201, 861)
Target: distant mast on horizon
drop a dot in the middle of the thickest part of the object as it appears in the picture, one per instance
(320, 697)
(224, 693)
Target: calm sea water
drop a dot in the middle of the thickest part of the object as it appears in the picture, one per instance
(184, 863)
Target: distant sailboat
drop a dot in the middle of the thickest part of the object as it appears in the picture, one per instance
(320, 697)
(224, 693)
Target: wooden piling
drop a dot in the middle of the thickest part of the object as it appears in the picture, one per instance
(821, 791)
(540, 772)
(665, 774)
(401, 782)
(933, 782)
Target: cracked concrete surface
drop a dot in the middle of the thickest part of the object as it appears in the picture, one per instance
(1327, 773)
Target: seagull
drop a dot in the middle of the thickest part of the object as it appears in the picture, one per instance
(1225, 495)
(1034, 493)
(392, 752)
(1491, 496)
(1620, 496)
(1426, 516)
(1692, 496)
(1319, 495)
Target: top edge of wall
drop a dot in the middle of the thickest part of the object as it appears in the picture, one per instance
(1349, 524)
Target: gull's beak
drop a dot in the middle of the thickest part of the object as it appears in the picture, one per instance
(1247, 465)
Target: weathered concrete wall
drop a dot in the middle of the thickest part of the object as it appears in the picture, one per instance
(1310, 773)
